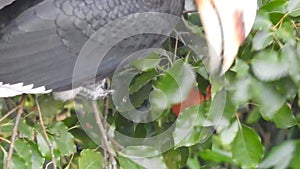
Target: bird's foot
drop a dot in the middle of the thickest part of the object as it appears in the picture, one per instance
(96, 91)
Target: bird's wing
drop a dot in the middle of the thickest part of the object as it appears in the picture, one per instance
(4, 3)
(38, 42)
(41, 45)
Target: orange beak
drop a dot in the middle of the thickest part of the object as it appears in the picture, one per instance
(226, 24)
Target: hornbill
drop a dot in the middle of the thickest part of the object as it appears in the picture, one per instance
(40, 40)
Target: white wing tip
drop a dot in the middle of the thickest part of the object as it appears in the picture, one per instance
(11, 90)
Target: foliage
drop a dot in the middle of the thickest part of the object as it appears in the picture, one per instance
(250, 121)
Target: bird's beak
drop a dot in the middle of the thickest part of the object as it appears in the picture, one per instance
(226, 24)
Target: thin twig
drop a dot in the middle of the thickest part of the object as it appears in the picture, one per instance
(3, 150)
(104, 136)
(70, 161)
(105, 114)
(15, 133)
(278, 24)
(117, 145)
(45, 133)
(4, 139)
(9, 113)
(176, 46)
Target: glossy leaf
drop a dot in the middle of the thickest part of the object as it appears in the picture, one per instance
(145, 156)
(150, 62)
(127, 163)
(268, 99)
(142, 80)
(43, 146)
(274, 158)
(18, 162)
(216, 156)
(227, 135)
(49, 106)
(188, 126)
(284, 118)
(63, 139)
(268, 65)
(247, 149)
(173, 158)
(90, 159)
(294, 8)
(23, 149)
(176, 82)
(296, 156)
(37, 158)
(261, 40)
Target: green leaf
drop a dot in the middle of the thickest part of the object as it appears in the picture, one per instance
(290, 53)
(37, 158)
(64, 139)
(140, 151)
(18, 162)
(280, 156)
(121, 83)
(24, 150)
(43, 146)
(158, 101)
(262, 39)
(241, 68)
(188, 126)
(262, 21)
(49, 106)
(227, 135)
(138, 98)
(296, 156)
(242, 92)
(153, 162)
(193, 163)
(150, 62)
(25, 130)
(6, 128)
(217, 114)
(254, 116)
(267, 98)
(287, 88)
(173, 158)
(284, 117)
(294, 7)
(145, 156)
(247, 149)
(268, 65)
(286, 32)
(275, 6)
(90, 159)
(126, 163)
(176, 83)
(216, 156)
(141, 80)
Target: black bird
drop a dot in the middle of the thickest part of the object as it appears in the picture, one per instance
(44, 42)
(40, 40)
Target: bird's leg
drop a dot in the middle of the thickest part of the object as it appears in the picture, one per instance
(96, 91)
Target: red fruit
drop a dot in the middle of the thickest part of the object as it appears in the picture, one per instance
(195, 97)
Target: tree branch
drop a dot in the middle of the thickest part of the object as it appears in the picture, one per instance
(45, 133)
(15, 132)
(105, 144)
